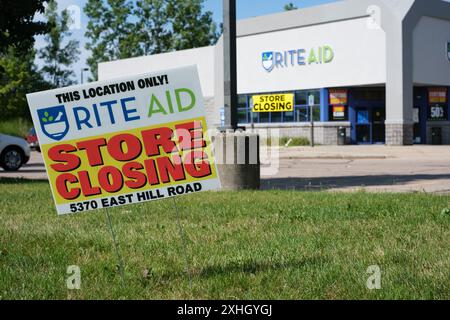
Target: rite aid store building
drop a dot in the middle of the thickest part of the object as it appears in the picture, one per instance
(379, 68)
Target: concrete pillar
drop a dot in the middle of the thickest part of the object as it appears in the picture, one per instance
(324, 105)
(237, 158)
(399, 85)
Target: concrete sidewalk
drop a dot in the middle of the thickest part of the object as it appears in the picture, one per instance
(371, 168)
(366, 152)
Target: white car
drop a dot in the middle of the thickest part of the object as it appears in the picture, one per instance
(14, 152)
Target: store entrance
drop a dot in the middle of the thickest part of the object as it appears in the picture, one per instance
(416, 120)
(370, 125)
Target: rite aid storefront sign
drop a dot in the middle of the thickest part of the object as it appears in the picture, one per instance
(298, 57)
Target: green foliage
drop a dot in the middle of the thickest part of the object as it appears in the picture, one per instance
(119, 29)
(191, 26)
(17, 25)
(290, 6)
(240, 245)
(18, 76)
(293, 142)
(57, 55)
(15, 126)
(110, 33)
(152, 26)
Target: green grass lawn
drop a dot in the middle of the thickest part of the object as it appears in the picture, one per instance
(240, 245)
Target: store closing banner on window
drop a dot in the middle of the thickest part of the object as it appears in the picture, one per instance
(338, 99)
(125, 141)
(338, 112)
(273, 103)
(338, 96)
(437, 100)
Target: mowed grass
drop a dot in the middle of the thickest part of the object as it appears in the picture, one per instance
(240, 245)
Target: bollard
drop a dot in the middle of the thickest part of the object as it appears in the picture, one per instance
(237, 158)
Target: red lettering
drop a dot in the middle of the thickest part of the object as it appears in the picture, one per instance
(93, 152)
(133, 146)
(190, 135)
(63, 190)
(86, 185)
(61, 153)
(160, 137)
(110, 179)
(139, 179)
(150, 169)
(197, 169)
(170, 168)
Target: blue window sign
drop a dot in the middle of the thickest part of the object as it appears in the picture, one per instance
(362, 117)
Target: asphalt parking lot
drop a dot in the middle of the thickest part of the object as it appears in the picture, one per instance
(375, 168)
(346, 168)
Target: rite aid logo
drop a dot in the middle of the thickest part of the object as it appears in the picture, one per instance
(267, 61)
(297, 57)
(54, 123)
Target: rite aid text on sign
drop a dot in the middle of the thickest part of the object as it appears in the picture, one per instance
(133, 140)
(273, 103)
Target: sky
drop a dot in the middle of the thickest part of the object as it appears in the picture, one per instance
(244, 9)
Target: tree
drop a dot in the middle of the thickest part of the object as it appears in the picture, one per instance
(111, 34)
(18, 77)
(119, 29)
(153, 26)
(191, 26)
(290, 6)
(17, 26)
(57, 56)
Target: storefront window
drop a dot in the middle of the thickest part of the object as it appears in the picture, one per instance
(242, 115)
(301, 98)
(369, 95)
(276, 117)
(242, 101)
(288, 117)
(300, 113)
(255, 117)
(264, 117)
(316, 95)
(316, 113)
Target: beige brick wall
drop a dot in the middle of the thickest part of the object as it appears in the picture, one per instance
(325, 133)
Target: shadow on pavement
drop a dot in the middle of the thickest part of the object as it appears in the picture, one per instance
(4, 180)
(34, 165)
(324, 183)
(22, 171)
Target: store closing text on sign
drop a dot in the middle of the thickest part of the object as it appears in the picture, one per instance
(126, 141)
(338, 97)
(273, 103)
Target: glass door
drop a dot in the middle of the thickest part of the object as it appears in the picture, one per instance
(378, 126)
(363, 126)
(416, 120)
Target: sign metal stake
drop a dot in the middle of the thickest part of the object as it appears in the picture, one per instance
(183, 241)
(116, 247)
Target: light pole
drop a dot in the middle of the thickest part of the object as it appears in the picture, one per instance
(83, 70)
(238, 151)
(229, 64)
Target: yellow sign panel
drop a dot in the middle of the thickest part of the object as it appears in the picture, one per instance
(121, 163)
(273, 103)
